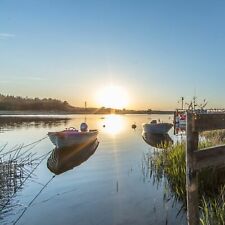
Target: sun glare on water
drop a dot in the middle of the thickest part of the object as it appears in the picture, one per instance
(113, 97)
(113, 124)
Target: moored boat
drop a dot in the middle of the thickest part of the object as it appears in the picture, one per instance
(155, 127)
(180, 118)
(71, 136)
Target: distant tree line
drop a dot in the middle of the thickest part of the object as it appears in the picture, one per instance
(17, 103)
(8, 102)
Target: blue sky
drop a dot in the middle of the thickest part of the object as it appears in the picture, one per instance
(157, 50)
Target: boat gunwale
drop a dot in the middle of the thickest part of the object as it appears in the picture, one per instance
(65, 132)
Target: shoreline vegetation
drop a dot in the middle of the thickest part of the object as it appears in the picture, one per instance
(15, 105)
(167, 165)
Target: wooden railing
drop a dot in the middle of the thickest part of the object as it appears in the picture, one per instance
(198, 159)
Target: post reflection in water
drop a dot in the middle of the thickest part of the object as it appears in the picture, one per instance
(63, 159)
(157, 140)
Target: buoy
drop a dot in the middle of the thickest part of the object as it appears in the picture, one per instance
(134, 126)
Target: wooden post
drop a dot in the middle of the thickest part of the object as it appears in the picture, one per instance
(191, 173)
(174, 122)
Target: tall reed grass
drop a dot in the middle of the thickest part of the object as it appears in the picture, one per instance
(16, 165)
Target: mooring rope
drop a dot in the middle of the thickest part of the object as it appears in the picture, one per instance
(33, 200)
(23, 146)
(39, 140)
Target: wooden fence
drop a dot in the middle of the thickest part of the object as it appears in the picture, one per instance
(199, 159)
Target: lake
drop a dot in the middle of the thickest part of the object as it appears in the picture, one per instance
(108, 185)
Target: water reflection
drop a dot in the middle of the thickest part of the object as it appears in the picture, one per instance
(113, 124)
(112, 172)
(157, 140)
(8, 123)
(63, 159)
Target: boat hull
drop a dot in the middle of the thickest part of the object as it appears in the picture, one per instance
(158, 128)
(68, 139)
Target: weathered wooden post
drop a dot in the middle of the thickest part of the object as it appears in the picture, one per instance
(191, 173)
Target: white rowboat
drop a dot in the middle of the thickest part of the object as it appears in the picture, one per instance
(157, 128)
(71, 137)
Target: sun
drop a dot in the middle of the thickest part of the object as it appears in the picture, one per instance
(113, 97)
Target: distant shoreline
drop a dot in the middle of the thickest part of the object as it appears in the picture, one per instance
(49, 113)
(16, 105)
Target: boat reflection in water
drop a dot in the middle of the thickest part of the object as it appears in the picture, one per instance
(63, 159)
(157, 140)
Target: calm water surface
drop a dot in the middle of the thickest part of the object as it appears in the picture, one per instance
(108, 185)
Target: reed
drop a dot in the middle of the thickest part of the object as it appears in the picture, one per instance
(215, 137)
(213, 209)
(15, 167)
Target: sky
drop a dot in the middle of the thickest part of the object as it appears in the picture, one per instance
(157, 51)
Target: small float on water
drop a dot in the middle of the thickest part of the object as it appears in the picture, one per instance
(155, 127)
(71, 136)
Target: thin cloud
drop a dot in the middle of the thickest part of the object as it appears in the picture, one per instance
(4, 36)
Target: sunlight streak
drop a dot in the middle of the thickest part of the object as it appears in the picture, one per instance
(113, 124)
